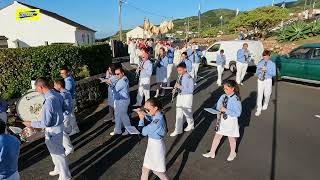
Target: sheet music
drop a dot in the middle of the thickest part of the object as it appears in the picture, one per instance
(132, 130)
(211, 110)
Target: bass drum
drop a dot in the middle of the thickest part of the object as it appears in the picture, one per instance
(30, 105)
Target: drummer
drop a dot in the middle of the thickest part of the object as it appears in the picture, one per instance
(155, 156)
(52, 121)
(59, 85)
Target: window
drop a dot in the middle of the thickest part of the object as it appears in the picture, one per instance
(83, 38)
(301, 53)
(316, 53)
(88, 38)
(214, 48)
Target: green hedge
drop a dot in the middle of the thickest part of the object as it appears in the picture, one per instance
(19, 66)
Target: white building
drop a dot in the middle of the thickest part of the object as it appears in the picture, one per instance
(50, 28)
(138, 33)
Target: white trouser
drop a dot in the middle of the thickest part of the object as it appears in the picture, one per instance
(195, 68)
(241, 71)
(184, 108)
(121, 115)
(132, 56)
(143, 90)
(54, 144)
(4, 117)
(14, 176)
(169, 71)
(67, 130)
(220, 70)
(73, 121)
(264, 90)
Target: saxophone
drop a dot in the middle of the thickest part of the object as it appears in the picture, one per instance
(175, 88)
(262, 77)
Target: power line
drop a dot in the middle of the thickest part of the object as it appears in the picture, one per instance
(146, 11)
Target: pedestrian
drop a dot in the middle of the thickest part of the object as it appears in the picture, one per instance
(132, 50)
(170, 55)
(161, 72)
(144, 71)
(229, 107)
(184, 59)
(120, 91)
(110, 75)
(52, 121)
(71, 87)
(155, 156)
(243, 58)
(185, 88)
(9, 154)
(3, 110)
(195, 57)
(59, 85)
(221, 61)
(266, 70)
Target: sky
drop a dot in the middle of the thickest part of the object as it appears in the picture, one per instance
(102, 15)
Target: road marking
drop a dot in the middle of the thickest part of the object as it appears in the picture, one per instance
(318, 116)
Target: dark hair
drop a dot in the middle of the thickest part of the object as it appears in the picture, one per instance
(182, 65)
(64, 68)
(61, 82)
(42, 81)
(233, 84)
(112, 67)
(222, 51)
(120, 69)
(266, 53)
(2, 127)
(162, 48)
(245, 44)
(155, 103)
(185, 53)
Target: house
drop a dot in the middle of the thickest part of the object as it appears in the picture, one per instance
(50, 28)
(138, 33)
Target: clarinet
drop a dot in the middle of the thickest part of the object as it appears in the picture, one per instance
(138, 70)
(262, 77)
(175, 89)
(224, 115)
(247, 56)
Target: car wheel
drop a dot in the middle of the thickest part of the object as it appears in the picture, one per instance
(204, 61)
(233, 67)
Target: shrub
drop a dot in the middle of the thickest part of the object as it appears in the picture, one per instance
(19, 66)
(299, 30)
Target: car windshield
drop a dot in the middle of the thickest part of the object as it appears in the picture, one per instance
(214, 48)
(301, 53)
(316, 53)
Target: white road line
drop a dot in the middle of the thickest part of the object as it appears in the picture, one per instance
(318, 116)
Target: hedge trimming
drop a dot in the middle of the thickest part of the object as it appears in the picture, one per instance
(19, 66)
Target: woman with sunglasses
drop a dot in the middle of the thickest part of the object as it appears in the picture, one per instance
(229, 107)
(154, 159)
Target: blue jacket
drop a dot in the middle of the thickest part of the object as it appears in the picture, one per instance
(241, 56)
(9, 154)
(188, 64)
(68, 102)
(70, 86)
(234, 107)
(121, 89)
(157, 127)
(195, 57)
(170, 54)
(187, 84)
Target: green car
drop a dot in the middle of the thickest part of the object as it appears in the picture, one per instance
(301, 64)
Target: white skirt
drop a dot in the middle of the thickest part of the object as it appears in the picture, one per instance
(155, 157)
(229, 127)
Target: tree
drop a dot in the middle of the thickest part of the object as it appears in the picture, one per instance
(261, 18)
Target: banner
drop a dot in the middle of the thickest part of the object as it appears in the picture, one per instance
(27, 14)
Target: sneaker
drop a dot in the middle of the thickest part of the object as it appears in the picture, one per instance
(113, 133)
(258, 113)
(174, 134)
(67, 153)
(189, 128)
(232, 156)
(241, 84)
(265, 107)
(125, 133)
(54, 173)
(209, 155)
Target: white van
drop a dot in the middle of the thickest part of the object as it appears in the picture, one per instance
(230, 50)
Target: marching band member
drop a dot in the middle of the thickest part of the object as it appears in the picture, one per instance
(71, 87)
(59, 85)
(3, 110)
(110, 76)
(121, 102)
(170, 55)
(161, 72)
(243, 58)
(177, 55)
(195, 57)
(221, 61)
(266, 69)
(132, 50)
(230, 109)
(155, 156)
(9, 154)
(52, 122)
(184, 59)
(184, 100)
(145, 72)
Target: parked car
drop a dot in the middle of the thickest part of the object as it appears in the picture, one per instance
(230, 50)
(301, 64)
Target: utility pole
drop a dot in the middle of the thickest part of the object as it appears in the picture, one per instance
(120, 22)
(199, 23)
(305, 4)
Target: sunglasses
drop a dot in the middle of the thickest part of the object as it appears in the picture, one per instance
(118, 74)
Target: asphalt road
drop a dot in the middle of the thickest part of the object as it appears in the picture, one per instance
(283, 143)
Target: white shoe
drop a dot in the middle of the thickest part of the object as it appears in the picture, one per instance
(174, 134)
(258, 113)
(125, 133)
(209, 155)
(113, 133)
(195, 84)
(54, 173)
(232, 156)
(265, 107)
(67, 153)
(189, 128)
(241, 84)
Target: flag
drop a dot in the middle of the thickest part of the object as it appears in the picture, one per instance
(221, 17)
(237, 13)
(199, 11)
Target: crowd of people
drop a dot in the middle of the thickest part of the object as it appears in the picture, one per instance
(58, 120)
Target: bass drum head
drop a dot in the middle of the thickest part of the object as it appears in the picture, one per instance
(30, 105)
